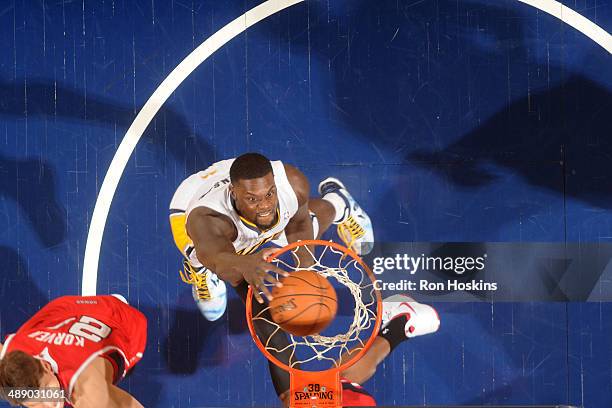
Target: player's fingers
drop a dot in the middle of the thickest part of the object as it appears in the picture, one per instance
(272, 279)
(273, 268)
(265, 291)
(270, 267)
(264, 270)
(253, 280)
(265, 253)
(258, 297)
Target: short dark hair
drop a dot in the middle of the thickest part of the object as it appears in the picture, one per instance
(19, 370)
(250, 166)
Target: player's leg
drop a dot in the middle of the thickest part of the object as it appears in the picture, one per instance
(324, 212)
(122, 398)
(94, 388)
(337, 206)
(285, 398)
(365, 368)
(277, 340)
(403, 318)
(209, 292)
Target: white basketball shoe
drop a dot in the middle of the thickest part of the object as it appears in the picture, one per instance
(354, 225)
(209, 292)
(420, 319)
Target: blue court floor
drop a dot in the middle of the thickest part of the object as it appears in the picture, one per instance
(449, 121)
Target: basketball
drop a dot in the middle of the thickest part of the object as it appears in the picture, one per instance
(305, 304)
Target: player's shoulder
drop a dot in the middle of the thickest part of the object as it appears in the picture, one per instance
(71, 301)
(298, 182)
(293, 172)
(53, 306)
(215, 173)
(208, 220)
(219, 168)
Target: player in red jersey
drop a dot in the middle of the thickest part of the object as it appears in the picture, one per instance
(79, 346)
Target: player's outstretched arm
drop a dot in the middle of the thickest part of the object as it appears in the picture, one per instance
(109, 397)
(94, 389)
(122, 399)
(212, 235)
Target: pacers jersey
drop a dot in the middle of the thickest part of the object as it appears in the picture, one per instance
(210, 189)
(71, 331)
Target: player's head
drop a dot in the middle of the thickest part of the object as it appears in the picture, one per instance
(253, 189)
(20, 370)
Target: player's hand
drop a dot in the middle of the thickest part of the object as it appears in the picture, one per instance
(257, 272)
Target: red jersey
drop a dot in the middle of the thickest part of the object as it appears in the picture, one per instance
(353, 395)
(71, 331)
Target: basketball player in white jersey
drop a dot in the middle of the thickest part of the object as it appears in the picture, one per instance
(221, 216)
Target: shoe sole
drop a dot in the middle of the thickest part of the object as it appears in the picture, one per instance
(331, 180)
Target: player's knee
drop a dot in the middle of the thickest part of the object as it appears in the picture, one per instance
(358, 375)
(284, 397)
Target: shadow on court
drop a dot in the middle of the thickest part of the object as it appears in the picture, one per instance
(21, 296)
(567, 126)
(31, 182)
(502, 107)
(169, 132)
(193, 342)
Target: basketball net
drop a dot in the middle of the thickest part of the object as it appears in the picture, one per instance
(343, 268)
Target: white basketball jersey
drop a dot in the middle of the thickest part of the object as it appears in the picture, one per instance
(210, 188)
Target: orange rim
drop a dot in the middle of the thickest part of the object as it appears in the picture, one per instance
(352, 254)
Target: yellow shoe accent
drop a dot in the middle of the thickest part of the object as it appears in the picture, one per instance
(350, 231)
(192, 277)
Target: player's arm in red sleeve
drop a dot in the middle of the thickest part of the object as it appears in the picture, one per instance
(94, 388)
(212, 234)
(300, 226)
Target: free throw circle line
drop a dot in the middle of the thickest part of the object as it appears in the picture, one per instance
(144, 118)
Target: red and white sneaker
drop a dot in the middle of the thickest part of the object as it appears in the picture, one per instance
(420, 319)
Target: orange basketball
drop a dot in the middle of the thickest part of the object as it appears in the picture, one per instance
(305, 304)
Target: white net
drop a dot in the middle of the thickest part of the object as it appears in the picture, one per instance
(346, 334)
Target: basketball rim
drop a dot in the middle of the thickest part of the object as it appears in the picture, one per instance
(316, 388)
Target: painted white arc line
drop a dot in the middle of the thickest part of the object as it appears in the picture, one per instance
(574, 19)
(199, 55)
(144, 118)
